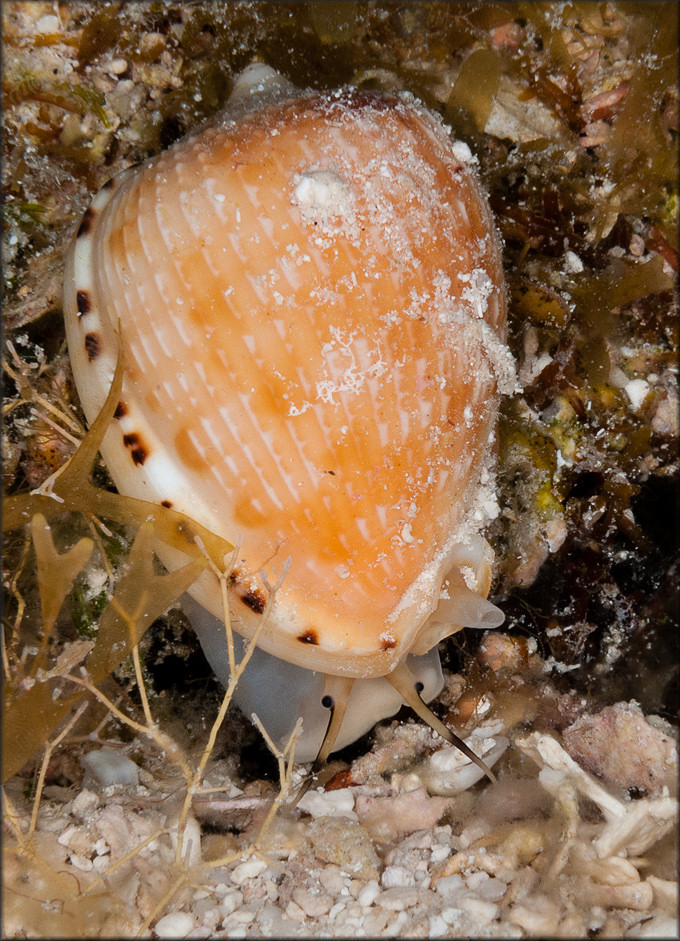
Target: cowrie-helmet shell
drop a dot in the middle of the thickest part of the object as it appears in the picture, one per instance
(311, 305)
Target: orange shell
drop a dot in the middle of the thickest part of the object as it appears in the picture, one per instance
(311, 305)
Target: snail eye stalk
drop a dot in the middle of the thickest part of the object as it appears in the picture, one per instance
(402, 680)
(336, 702)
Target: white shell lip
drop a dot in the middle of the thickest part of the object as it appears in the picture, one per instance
(417, 604)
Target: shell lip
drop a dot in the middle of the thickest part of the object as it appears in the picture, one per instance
(412, 629)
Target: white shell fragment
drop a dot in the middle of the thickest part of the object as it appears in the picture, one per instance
(632, 827)
(109, 766)
(320, 803)
(174, 925)
(448, 771)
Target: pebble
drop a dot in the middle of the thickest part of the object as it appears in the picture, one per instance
(539, 916)
(239, 931)
(210, 917)
(313, 903)
(77, 839)
(637, 245)
(438, 928)
(397, 876)
(273, 923)
(332, 880)
(83, 863)
(373, 922)
(449, 885)
(174, 925)
(230, 902)
(475, 880)
(151, 45)
(48, 24)
(637, 390)
(248, 870)
(200, 931)
(355, 887)
(84, 803)
(221, 888)
(109, 766)
(440, 852)
(665, 893)
(481, 910)
(294, 911)
(271, 890)
(242, 917)
(339, 803)
(451, 915)
(368, 894)
(493, 890)
(399, 898)
(397, 923)
(117, 67)
(486, 886)
(572, 263)
(335, 910)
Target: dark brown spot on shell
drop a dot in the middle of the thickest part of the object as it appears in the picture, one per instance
(309, 637)
(388, 644)
(166, 503)
(254, 600)
(86, 224)
(108, 184)
(93, 346)
(236, 575)
(138, 452)
(121, 410)
(83, 303)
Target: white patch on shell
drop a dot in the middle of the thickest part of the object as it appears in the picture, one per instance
(321, 194)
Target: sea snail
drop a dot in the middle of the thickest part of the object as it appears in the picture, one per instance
(310, 302)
